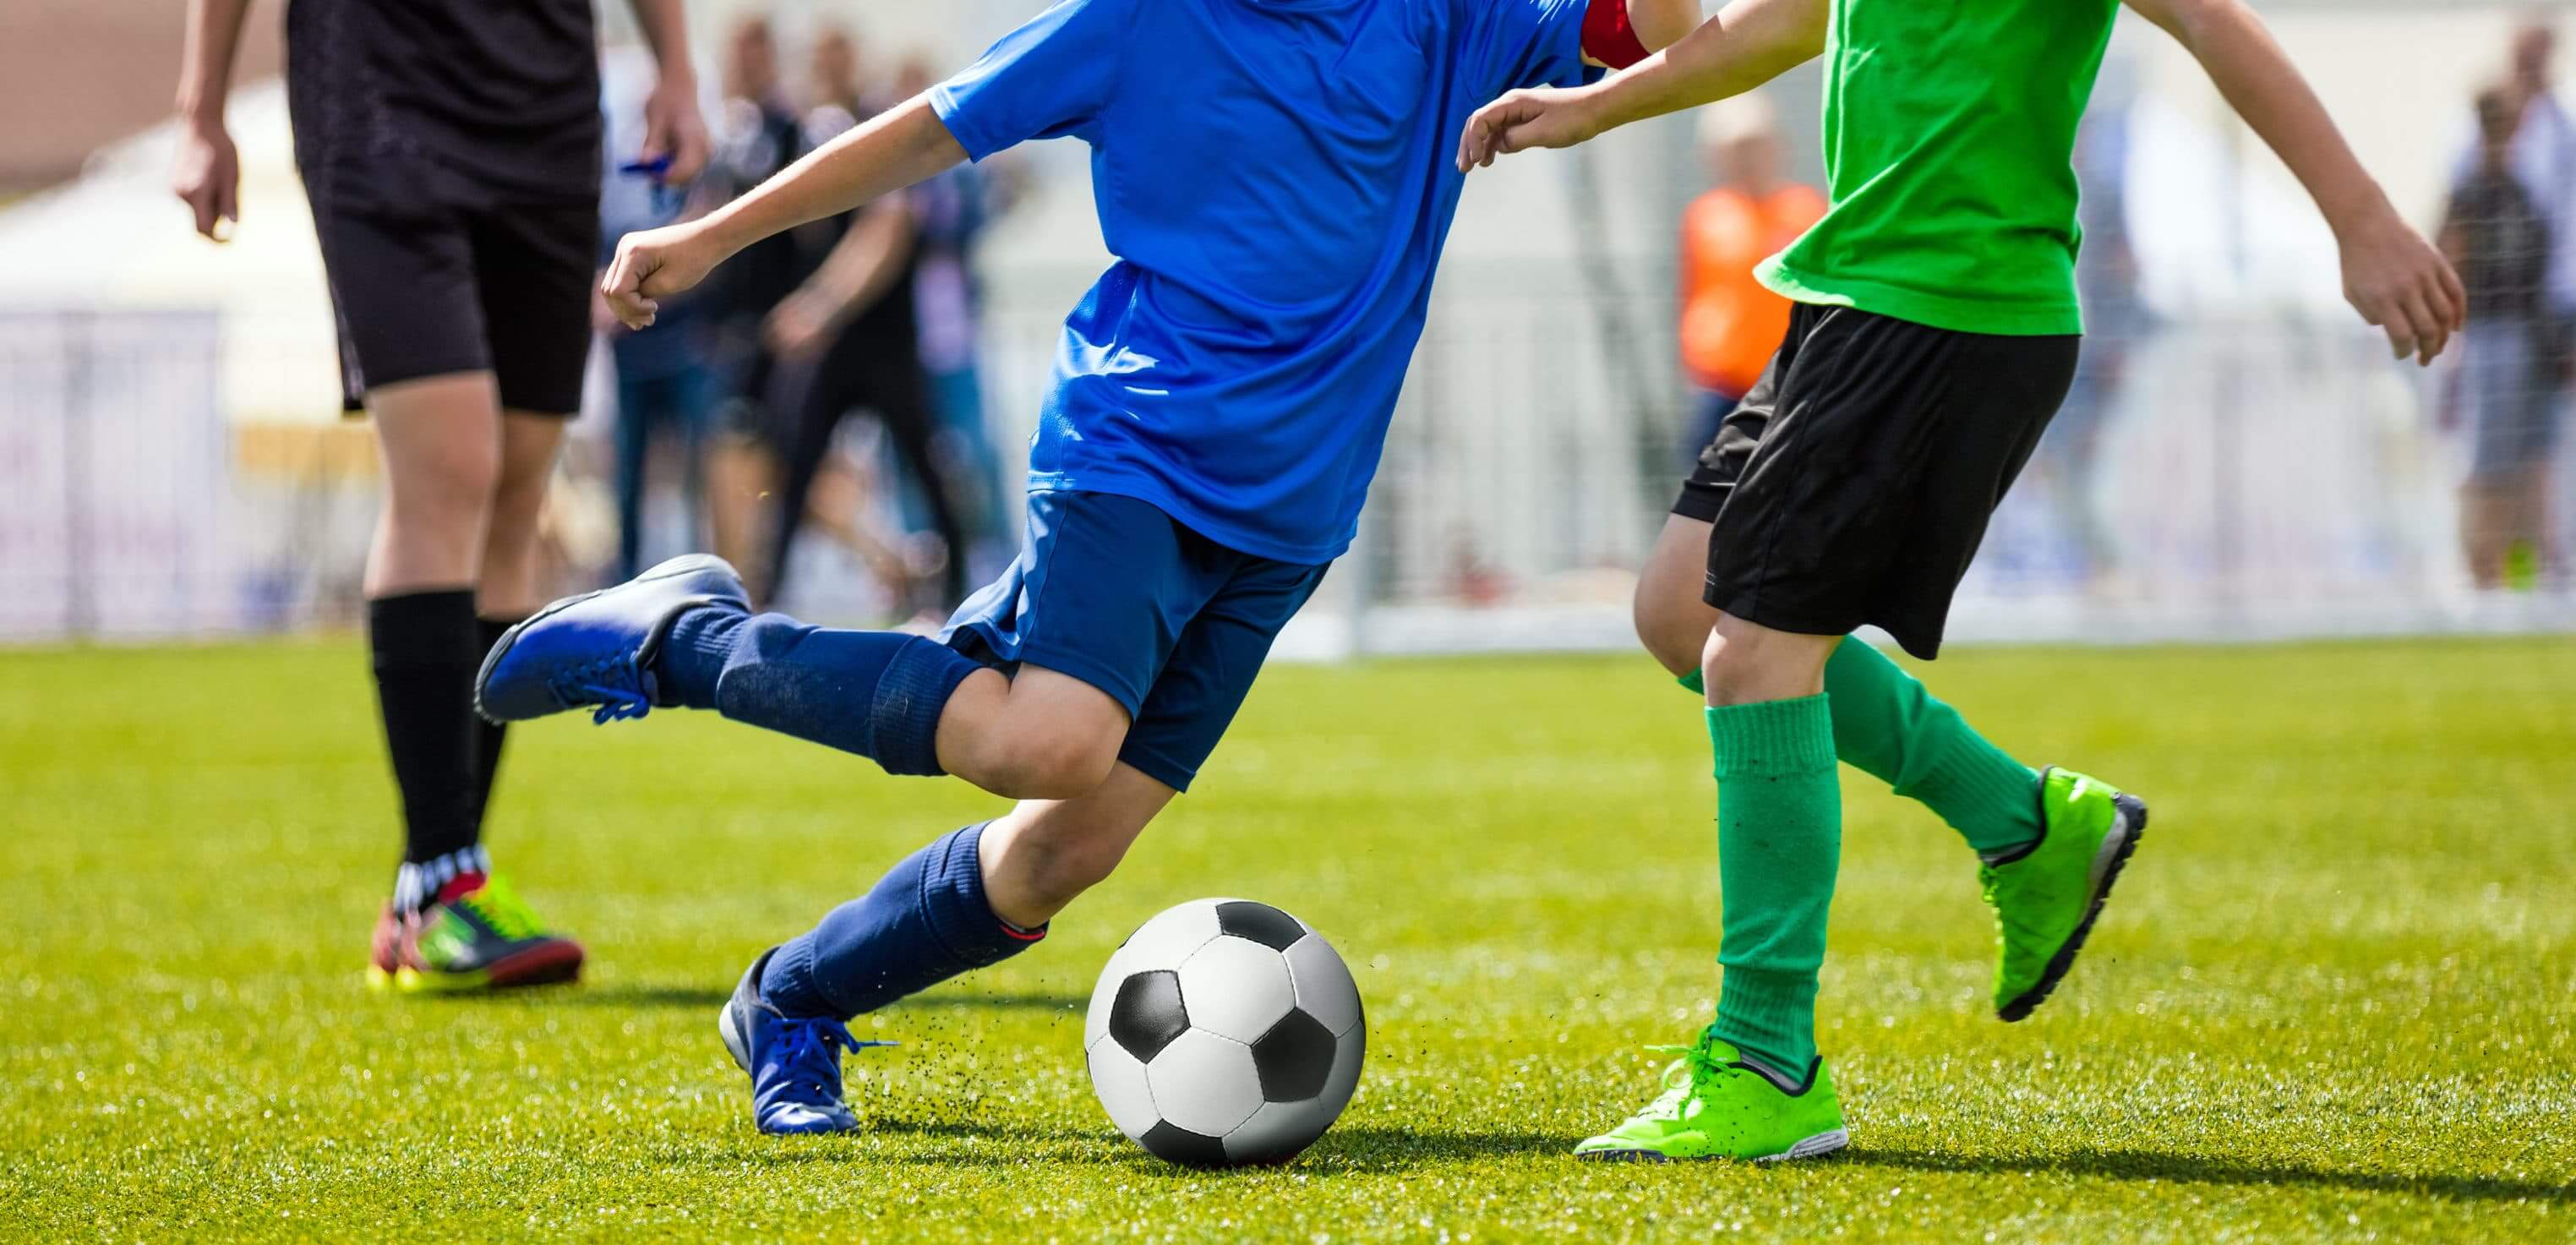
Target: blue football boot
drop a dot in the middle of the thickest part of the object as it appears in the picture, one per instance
(595, 651)
(794, 1061)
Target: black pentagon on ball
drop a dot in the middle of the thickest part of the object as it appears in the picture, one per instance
(1147, 1015)
(1295, 1058)
(1174, 1144)
(1258, 922)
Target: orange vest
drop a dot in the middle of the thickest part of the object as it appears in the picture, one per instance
(1730, 323)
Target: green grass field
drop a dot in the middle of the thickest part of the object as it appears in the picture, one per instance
(2333, 999)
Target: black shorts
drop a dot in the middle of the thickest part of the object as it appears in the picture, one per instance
(1853, 484)
(432, 272)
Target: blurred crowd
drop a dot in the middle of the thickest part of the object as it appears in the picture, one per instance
(2507, 227)
(755, 395)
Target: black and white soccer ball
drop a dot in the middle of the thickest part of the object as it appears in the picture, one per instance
(1224, 1032)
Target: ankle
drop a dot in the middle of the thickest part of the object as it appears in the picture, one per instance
(693, 655)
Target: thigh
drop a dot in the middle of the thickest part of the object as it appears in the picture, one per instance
(1212, 667)
(1869, 488)
(398, 258)
(533, 265)
(1101, 592)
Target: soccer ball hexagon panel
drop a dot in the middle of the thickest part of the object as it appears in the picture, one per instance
(1224, 1031)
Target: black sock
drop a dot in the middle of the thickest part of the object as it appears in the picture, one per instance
(423, 645)
(487, 735)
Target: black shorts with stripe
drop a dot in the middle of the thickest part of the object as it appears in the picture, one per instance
(1852, 485)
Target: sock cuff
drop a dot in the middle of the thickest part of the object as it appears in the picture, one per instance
(952, 891)
(418, 883)
(1772, 737)
(787, 982)
(694, 653)
(903, 719)
(1769, 1015)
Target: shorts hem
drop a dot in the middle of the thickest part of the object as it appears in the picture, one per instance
(1918, 641)
(1156, 765)
(1072, 665)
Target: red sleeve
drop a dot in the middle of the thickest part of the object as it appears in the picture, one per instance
(1607, 36)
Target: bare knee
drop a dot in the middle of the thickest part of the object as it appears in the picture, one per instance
(1744, 662)
(1049, 760)
(1672, 620)
(1673, 634)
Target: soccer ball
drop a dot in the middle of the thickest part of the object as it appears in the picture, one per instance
(1224, 1032)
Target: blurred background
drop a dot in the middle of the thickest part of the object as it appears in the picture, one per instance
(2240, 458)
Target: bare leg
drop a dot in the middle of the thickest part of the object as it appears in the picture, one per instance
(1044, 853)
(508, 588)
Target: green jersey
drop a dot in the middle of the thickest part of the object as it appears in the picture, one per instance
(1949, 143)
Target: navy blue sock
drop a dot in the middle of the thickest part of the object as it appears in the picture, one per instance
(875, 693)
(925, 922)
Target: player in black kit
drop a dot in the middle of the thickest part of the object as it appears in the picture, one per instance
(451, 151)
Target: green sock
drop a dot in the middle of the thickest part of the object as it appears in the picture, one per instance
(1779, 840)
(1887, 726)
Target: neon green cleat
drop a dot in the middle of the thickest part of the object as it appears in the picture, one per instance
(2046, 897)
(1715, 1106)
(479, 935)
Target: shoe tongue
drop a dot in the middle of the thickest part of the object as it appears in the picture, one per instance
(460, 885)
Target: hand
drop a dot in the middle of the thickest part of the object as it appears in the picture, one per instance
(2398, 282)
(1540, 117)
(674, 131)
(799, 326)
(653, 265)
(208, 178)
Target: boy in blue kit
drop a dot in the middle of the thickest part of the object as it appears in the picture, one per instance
(1273, 176)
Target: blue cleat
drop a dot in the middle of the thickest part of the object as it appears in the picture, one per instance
(794, 1062)
(595, 651)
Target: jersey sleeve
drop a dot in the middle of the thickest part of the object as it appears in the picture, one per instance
(1048, 79)
(1519, 43)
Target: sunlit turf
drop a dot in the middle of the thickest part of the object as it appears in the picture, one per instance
(2332, 1000)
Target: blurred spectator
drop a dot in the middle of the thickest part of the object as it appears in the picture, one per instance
(2067, 462)
(2498, 235)
(1731, 324)
(667, 385)
(757, 134)
(850, 327)
(952, 211)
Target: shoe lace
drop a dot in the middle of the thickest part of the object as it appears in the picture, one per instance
(501, 908)
(1694, 1066)
(808, 1049)
(615, 684)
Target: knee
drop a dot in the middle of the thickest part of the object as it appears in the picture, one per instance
(1744, 662)
(1051, 763)
(1673, 637)
(451, 486)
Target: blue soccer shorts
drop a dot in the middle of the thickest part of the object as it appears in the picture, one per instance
(1114, 592)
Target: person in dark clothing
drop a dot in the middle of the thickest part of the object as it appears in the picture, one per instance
(452, 153)
(853, 327)
(2496, 233)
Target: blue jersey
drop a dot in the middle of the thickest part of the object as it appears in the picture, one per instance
(1275, 178)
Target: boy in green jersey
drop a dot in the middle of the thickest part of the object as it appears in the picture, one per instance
(1934, 335)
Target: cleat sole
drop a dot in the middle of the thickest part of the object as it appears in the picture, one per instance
(1806, 1148)
(2108, 864)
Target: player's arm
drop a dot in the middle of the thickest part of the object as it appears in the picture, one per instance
(2391, 275)
(896, 148)
(862, 267)
(1748, 43)
(675, 136)
(208, 177)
